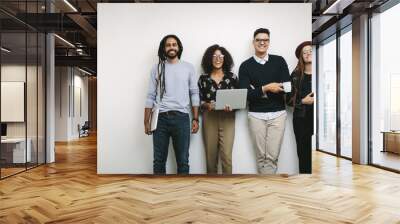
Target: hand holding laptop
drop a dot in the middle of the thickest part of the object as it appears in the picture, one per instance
(227, 108)
(209, 106)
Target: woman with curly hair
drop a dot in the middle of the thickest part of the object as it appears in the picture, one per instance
(218, 125)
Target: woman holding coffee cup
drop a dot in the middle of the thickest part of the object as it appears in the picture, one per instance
(302, 99)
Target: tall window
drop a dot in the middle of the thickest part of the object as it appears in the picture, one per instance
(385, 89)
(346, 92)
(326, 98)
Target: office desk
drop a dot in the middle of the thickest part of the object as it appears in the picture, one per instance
(13, 150)
(391, 141)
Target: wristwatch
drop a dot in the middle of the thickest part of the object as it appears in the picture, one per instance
(195, 119)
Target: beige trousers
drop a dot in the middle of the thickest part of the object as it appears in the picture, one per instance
(267, 137)
(218, 136)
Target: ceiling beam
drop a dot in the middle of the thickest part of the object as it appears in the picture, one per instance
(84, 61)
(84, 24)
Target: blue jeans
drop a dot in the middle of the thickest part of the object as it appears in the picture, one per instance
(176, 125)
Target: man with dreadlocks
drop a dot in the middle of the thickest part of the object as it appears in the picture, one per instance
(173, 87)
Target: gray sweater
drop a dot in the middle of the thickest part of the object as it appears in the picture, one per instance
(180, 85)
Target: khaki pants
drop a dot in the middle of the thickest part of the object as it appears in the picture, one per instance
(267, 137)
(218, 135)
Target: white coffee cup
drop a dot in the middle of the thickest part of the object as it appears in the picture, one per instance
(287, 87)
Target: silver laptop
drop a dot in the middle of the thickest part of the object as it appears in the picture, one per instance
(235, 98)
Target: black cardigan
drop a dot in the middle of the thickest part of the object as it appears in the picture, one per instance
(253, 75)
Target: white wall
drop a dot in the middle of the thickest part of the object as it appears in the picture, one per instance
(16, 73)
(128, 39)
(12, 100)
(61, 103)
(68, 81)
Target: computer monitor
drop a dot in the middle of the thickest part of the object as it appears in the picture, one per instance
(3, 129)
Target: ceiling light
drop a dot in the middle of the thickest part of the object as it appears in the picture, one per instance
(5, 50)
(64, 40)
(70, 5)
(84, 71)
(337, 7)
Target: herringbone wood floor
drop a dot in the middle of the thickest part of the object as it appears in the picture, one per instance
(70, 191)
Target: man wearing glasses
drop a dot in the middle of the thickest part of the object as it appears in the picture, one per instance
(263, 75)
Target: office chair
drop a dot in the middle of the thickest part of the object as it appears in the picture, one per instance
(84, 130)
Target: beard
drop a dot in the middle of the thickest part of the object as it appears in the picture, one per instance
(171, 56)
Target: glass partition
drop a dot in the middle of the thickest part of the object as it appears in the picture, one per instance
(14, 154)
(22, 77)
